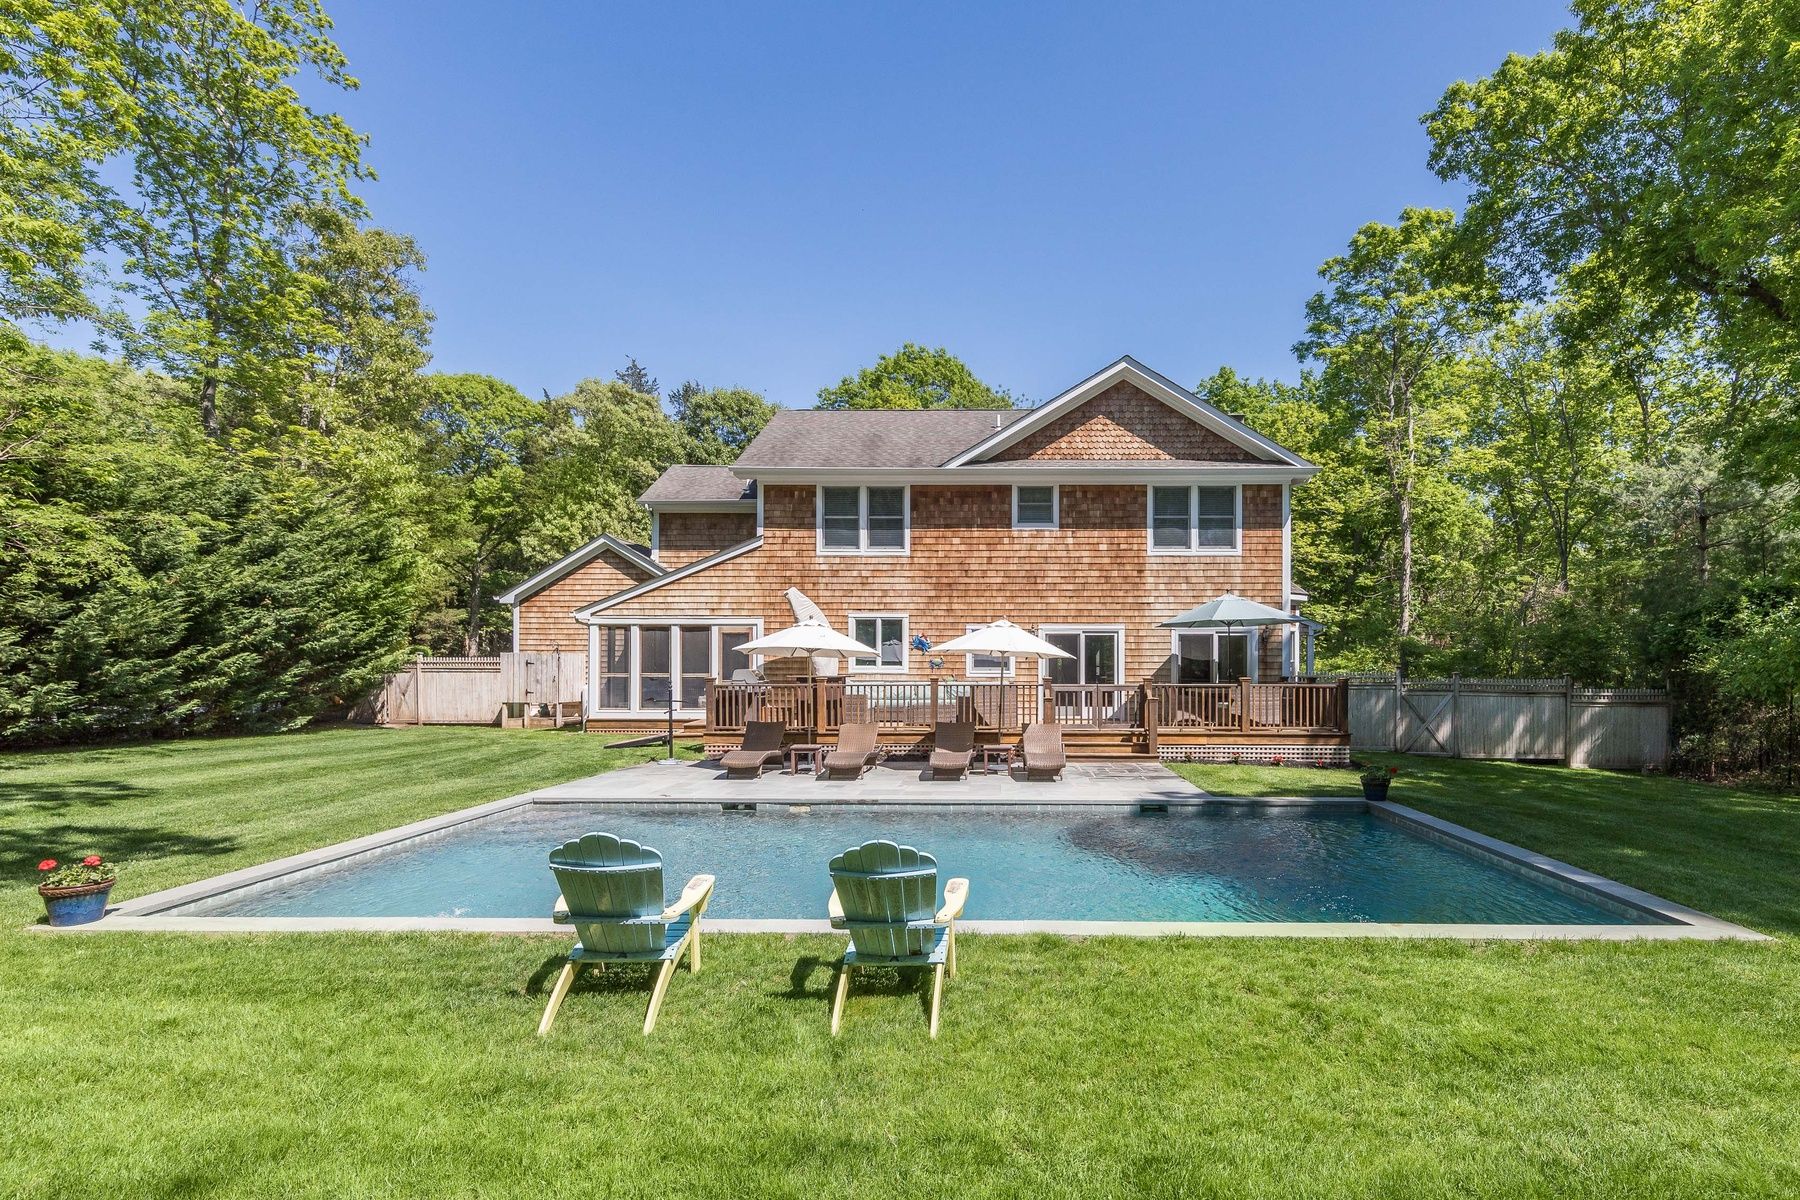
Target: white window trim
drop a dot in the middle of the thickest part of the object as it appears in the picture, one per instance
(1009, 665)
(1055, 506)
(905, 642)
(1193, 549)
(1252, 649)
(1088, 627)
(634, 677)
(862, 522)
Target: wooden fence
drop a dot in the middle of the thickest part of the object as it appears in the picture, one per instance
(1551, 719)
(538, 688)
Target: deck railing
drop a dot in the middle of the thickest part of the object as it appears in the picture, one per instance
(916, 706)
(1249, 707)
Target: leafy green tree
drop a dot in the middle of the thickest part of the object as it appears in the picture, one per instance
(1389, 333)
(1645, 162)
(226, 166)
(51, 147)
(718, 422)
(480, 436)
(155, 582)
(915, 377)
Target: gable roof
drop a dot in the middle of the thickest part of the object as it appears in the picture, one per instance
(1128, 369)
(851, 438)
(631, 552)
(692, 485)
(606, 602)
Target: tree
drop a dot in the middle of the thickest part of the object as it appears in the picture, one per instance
(1645, 161)
(480, 436)
(367, 340)
(718, 422)
(637, 379)
(1388, 333)
(50, 151)
(226, 166)
(915, 377)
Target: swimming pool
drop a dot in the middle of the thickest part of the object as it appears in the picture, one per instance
(1215, 863)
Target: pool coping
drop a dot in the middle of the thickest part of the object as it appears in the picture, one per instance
(152, 912)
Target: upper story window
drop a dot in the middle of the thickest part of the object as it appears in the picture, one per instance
(863, 520)
(1195, 520)
(1034, 506)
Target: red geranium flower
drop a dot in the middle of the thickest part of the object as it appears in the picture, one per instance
(1393, 770)
(49, 864)
(92, 860)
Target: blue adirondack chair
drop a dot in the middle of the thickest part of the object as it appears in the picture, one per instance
(885, 895)
(612, 892)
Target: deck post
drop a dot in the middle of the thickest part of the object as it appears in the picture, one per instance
(1151, 719)
(819, 714)
(934, 702)
(1343, 699)
(1244, 704)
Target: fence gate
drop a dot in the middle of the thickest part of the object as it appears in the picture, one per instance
(1423, 720)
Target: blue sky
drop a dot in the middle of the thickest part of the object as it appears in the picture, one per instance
(772, 195)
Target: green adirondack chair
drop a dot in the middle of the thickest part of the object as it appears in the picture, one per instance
(886, 896)
(612, 892)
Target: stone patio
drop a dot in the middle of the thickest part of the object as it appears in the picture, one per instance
(901, 782)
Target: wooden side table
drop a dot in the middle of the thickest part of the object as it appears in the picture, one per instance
(813, 752)
(992, 750)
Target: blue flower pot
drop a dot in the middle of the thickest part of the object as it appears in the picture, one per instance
(76, 905)
(1376, 791)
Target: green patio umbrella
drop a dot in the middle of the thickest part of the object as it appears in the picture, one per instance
(1228, 612)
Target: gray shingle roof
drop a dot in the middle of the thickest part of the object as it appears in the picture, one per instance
(870, 437)
(687, 484)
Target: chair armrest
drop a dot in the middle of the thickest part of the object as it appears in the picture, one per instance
(834, 908)
(695, 893)
(956, 894)
(560, 912)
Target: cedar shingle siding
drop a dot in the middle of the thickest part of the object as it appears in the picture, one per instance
(1124, 423)
(684, 537)
(544, 621)
(968, 564)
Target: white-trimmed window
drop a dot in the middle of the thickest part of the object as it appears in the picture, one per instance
(1034, 506)
(987, 666)
(864, 520)
(1208, 656)
(1202, 519)
(887, 633)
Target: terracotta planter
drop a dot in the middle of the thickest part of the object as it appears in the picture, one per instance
(76, 905)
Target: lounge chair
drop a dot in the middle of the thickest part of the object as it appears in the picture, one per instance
(886, 896)
(761, 746)
(1044, 754)
(855, 751)
(952, 749)
(612, 892)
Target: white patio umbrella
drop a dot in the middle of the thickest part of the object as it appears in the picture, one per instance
(809, 639)
(1001, 637)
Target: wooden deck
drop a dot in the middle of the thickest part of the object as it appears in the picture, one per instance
(1256, 721)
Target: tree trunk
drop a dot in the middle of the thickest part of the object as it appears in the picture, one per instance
(209, 404)
(472, 631)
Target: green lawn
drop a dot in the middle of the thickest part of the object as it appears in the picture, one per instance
(328, 1065)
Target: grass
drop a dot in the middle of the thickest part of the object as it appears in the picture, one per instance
(328, 1065)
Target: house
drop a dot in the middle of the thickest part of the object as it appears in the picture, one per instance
(1088, 520)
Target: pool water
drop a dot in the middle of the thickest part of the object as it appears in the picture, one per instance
(1213, 864)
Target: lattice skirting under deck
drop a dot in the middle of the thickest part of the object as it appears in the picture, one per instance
(1264, 755)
